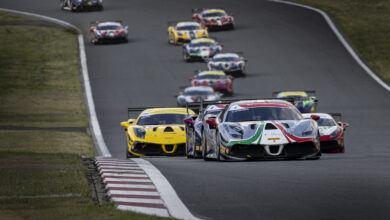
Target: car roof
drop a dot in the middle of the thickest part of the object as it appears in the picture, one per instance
(219, 73)
(226, 55)
(261, 103)
(199, 88)
(167, 111)
(187, 23)
(109, 23)
(213, 10)
(322, 115)
(201, 40)
(288, 93)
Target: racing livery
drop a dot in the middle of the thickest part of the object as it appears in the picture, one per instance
(230, 63)
(196, 125)
(197, 94)
(108, 31)
(78, 5)
(184, 32)
(302, 100)
(200, 49)
(213, 19)
(156, 131)
(218, 80)
(261, 129)
(332, 132)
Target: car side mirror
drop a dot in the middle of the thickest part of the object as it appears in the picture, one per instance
(344, 125)
(177, 95)
(130, 121)
(315, 117)
(92, 29)
(191, 78)
(125, 124)
(212, 122)
(231, 77)
(126, 27)
(314, 99)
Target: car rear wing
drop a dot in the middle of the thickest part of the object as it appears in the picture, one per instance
(309, 92)
(197, 10)
(199, 107)
(97, 22)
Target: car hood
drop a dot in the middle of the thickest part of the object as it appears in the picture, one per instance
(161, 134)
(269, 132)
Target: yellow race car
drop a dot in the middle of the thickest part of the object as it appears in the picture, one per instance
(184, 32)
(156, 131)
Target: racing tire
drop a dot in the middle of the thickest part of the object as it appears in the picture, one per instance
(204, 147)
(218, 147)
(188, 155)
(186, 57)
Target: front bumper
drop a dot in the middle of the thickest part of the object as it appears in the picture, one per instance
(331, 146)
(111, 39)
(216, 27)
(149, 149)
(87, 6)
(286, 151)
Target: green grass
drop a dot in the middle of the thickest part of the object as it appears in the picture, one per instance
(39, 78)
(5, 16)
(40, 87)
(367, 25)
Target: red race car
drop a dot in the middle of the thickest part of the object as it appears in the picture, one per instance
(213, 19)
(218, 80)
(331, 132)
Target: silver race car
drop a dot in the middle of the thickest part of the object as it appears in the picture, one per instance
(197, 94)
(230, 63)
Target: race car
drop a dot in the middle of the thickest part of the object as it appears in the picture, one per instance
(196, 94)
(302, 100)
(184, 32)
(79, 5)
(332, 132)
(108, 31)
(261, 129)
(218, 80)
(200, 49)
(195, 126)
(213, 19)
(230, 63)
(156, 131)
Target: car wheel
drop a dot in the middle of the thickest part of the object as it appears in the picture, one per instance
(188, 142)
(341, 147)
(185, 56)
(204, 146)
(218, 147)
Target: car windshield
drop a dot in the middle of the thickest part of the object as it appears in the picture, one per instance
(202, 44)
(213, 112)
(263, 114)
(297, 98)
(325, 122)
(225, 59)
(213, 14)
(161, 119)
(211, 77)
(108, 27)
(188, 27)
(197, 93)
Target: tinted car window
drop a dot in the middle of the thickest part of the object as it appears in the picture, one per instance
(263, 114)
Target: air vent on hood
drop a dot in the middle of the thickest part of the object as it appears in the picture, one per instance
(155, 129)
(182, 128)
(270, 126)
(286, 125)
(253, 126)
(168, 129)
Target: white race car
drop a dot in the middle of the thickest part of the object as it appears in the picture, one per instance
(230, 63)
(332, 132)
(197, 94)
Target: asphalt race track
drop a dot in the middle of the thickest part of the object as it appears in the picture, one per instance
(288, 48)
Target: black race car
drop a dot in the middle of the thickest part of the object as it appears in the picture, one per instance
(79, 5)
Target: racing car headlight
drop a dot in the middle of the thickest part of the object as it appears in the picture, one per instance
(140, 133)
(307, 133)
(235, 131)
(334, 133)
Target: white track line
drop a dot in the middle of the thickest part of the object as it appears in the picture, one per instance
(175, 206)
(342, 40)
(159, 201)
(159, 212)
